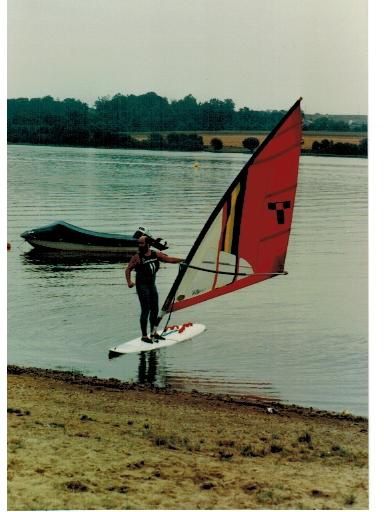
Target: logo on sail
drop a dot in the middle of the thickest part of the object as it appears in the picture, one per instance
(280, 207)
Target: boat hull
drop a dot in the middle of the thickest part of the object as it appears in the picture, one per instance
(44, 245)
(64, 237)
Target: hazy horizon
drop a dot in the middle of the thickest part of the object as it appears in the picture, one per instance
(262, 55)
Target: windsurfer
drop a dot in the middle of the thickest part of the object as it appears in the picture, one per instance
(146, 263)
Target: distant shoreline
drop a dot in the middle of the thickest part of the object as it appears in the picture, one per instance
(207, 149)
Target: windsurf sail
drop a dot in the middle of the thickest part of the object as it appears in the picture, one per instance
(245, 239)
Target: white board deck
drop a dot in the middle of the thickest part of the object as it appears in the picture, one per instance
(173, 335)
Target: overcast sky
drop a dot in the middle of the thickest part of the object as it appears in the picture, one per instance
(263, 54)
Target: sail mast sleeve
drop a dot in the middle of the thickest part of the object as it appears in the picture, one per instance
(245, 238)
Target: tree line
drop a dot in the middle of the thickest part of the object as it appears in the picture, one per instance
(112, 121)
(328, 147)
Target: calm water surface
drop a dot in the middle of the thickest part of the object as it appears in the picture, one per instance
(300, 339)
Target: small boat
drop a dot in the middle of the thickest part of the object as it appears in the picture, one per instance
(62, 236)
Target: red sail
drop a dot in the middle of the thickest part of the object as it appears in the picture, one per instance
(245, 239)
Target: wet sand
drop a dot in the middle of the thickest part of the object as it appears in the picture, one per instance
(80, 443)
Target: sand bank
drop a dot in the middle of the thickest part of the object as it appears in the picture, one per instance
(83, 443)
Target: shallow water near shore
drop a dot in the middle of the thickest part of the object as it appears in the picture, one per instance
(299, 339)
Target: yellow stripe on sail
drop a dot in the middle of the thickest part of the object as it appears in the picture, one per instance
(231, 220)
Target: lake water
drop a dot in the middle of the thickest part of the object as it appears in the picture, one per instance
(299, 339)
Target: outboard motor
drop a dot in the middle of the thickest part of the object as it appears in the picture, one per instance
(158, 243)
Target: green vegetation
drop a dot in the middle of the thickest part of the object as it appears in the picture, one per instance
(329, 124)
(217, 144)
(328, 147)
(251, 143)
(111, 121)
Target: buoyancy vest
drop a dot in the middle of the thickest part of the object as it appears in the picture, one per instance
(147, 268)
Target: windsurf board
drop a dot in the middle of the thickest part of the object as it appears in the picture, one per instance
(173, 334)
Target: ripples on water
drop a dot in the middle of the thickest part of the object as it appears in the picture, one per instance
(300, 339)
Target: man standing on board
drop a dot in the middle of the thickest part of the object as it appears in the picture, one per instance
(146, 263)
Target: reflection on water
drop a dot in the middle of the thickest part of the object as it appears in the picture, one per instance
(50, 260)
(149, 373)
(300, 338)
(147, 367)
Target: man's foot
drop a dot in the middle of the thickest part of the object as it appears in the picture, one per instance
(157, 337)
(146, 339)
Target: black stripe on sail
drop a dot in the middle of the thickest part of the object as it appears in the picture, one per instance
(238, 216)
(224, 233)
(236, 231)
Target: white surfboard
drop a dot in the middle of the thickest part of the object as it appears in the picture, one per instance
(173, 334)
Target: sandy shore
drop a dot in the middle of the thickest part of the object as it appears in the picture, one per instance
(83, 443)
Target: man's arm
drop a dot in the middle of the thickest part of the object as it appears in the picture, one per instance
(131, 265)
(168, 259)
